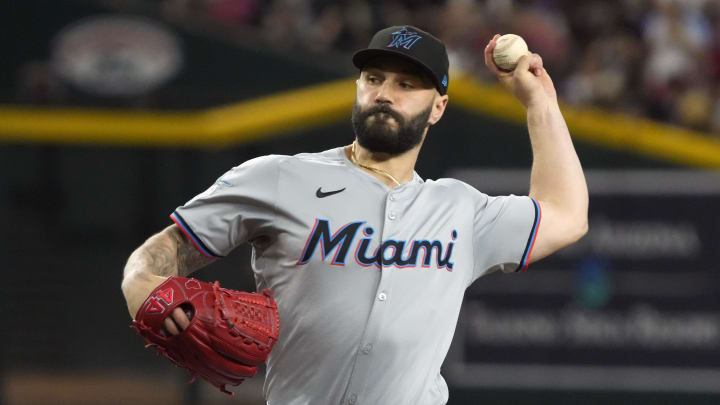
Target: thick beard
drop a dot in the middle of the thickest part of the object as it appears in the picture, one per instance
(379, 137)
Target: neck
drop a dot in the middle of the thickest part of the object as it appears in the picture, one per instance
(398, 167)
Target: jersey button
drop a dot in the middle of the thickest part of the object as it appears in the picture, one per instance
(392, 197)
(367, 348)
(352, 399)
(382, 296)
(392, 215)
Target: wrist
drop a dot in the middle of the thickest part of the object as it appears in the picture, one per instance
(541, 103)
(136, 287)
(542, 110)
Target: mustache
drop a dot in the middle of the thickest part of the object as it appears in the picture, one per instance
(382, 108)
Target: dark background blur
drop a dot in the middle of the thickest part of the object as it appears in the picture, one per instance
(630, 315)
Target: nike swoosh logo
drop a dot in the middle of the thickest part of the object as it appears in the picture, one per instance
(322, 194)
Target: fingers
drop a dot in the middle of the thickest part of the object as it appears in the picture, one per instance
(536, 64)
(171, 327)
(489, 61)
(177, 321)
(491, 45)
(181, 318)
(532, 63)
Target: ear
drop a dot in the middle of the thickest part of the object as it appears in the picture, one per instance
(438, 108)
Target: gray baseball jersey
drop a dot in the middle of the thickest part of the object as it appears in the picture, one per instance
(368, 280)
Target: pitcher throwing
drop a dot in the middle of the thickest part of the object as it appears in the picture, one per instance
(368, 261)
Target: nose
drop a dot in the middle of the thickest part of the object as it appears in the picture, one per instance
(384, 93)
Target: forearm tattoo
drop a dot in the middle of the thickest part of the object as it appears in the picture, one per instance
(168, 253)
(160, 256)
(188, 256)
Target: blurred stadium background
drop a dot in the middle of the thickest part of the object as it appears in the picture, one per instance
(114, 112)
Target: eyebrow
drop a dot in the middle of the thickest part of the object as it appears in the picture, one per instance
(412, 74)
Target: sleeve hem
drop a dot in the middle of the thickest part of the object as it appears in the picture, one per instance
(525, 261)
(199, 245)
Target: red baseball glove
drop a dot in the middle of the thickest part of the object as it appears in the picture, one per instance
(230, 332)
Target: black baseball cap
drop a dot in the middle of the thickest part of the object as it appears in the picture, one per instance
(413, 44)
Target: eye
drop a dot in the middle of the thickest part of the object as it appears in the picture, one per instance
(373, 80)
(406, 85)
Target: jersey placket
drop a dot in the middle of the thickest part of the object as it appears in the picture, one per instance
(369, 354)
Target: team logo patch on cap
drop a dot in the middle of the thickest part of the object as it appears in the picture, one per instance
(444, 80)
(404, 38)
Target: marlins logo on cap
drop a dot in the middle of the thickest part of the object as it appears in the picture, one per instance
(404, 38)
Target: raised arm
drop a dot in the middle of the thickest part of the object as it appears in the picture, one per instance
(167, 253)
(557, 181)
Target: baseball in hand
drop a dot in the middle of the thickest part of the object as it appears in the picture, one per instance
(508, 50)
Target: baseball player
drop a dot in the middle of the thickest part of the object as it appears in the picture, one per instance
(368, 261)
